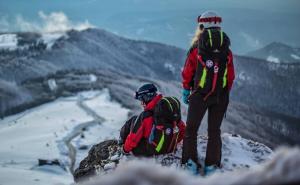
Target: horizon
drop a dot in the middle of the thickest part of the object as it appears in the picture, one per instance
(170, 22)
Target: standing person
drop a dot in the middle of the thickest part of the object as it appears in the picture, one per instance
(207, 78)
(150, 133)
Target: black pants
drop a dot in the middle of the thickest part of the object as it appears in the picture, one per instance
(143, 148)
(216, 107)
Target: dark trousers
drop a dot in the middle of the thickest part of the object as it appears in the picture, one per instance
(216, 107)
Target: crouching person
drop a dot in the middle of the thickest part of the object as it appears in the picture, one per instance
(156, 130)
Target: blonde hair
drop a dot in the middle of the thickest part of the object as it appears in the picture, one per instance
(197, 35)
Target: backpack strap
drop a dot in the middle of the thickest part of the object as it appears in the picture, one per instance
(169, 103)
(177, 102)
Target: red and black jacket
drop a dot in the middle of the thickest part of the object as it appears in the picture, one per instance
(195, 61)
(143, 126)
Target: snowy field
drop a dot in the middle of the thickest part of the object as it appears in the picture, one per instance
(40, 133)
(67, 128)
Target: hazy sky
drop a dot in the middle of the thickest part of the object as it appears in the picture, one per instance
(251, 24)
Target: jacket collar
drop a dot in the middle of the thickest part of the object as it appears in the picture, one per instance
(153, 102)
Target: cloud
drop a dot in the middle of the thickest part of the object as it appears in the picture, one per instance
(251, 41)
(53, 22)
(58, 21)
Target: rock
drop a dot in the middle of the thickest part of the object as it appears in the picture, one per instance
(83, 147)
(98, 157)
(49, 162)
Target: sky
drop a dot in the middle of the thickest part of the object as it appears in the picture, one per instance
(250, 24)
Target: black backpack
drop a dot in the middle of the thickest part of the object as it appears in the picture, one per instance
(213, 42)
(213, 47)
(164, 133)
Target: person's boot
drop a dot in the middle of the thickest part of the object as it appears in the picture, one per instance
(193, 167)
(208, 170)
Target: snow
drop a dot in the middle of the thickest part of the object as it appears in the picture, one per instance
(170, 67)
(52, 84)
(50, 38)
(283, 168)
(8, 41)
(86, 119)
(113, 114)
(296, 57)
(273, 59)
(40, 132)
(93, 78)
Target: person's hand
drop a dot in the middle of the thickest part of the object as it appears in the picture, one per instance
(185, 95)
(124, 152)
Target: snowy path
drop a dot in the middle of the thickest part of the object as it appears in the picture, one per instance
(80, 127)
(53, 131)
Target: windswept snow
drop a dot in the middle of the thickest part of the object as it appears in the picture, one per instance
(50, 38)
(8, 41)
(273, 59)
(296, 57)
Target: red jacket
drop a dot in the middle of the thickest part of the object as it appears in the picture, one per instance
(144, 129)
(190, 67)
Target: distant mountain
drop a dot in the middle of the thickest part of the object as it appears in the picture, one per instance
(32, 55)
(278, 53)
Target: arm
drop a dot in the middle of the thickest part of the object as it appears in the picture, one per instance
(189, 69)
(125, 130)
(136, 134)
(231, 72)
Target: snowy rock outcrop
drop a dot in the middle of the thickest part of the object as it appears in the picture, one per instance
(282, 169)
(238, 153)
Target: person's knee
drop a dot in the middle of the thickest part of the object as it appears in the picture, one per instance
(214, 133)
(191, 131)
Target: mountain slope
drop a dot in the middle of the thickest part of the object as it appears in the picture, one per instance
(35, 72)
(86, 50)
(278, 53)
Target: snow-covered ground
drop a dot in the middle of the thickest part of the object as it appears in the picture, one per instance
(40, 133)
(8, 41)
(273, 59)
(50, 38)
(67, 128)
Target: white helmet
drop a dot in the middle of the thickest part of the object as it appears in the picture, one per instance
(209, 19)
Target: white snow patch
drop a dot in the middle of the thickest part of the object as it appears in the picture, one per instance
(50, 38)
(93, 78)
(8, 41)
(296, 57)
(52, 84)
(273, 59)
(170, 67)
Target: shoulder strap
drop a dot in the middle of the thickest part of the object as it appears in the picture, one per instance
(169, 103)
(173, 103)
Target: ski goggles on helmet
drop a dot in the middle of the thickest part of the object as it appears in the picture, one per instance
(145, 96)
